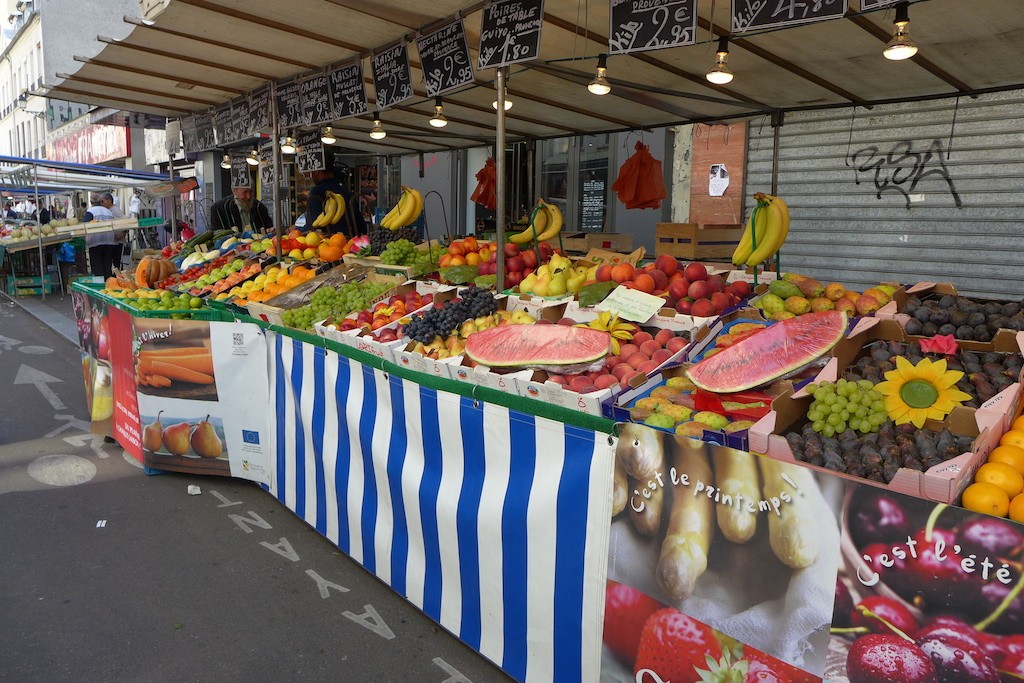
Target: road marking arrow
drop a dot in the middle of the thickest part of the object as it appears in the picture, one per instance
(95, 441)
(29, 375)
(7, 343)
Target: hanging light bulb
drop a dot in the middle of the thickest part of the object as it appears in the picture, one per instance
(254, 158)
(377, 132)
(327, 136)
(508, 102)
(438, 120)
(288, 146)
(720, 73)
(901, 46)
(226, 161)
(600, 84)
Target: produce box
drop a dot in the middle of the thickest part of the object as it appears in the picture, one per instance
(942, 483)
(411, 360)
(750, 276)
(996, 411)
(535, 305)
(575, 242)
(486, 377)
(710, 328)
(693, 241)
(1007, 321)
(375, 264)
(609, 241)
(539, 388)
(600, 257)
(270, 311)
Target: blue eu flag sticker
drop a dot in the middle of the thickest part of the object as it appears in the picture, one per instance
(249, 436)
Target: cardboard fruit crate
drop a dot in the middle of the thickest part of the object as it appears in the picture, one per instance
(609, 241)
(692, 241)
(271, 311)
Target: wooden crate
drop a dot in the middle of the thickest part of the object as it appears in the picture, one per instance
(574, 241)
(610, 241)
(691, 241)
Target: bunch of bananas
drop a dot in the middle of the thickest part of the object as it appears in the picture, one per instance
(769, 222)
(610, 323)
(406, 211)
(334, 209)
(545, 223)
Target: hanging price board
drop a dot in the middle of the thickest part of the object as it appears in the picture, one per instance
(348, 91)
(241, 172)
(289, 104)
(189, 138)
(239, 123)
(259, 112)
(392, 77)
(309, 155)
(510, 32)
(866, 5)
(653, 25)
(315, 94)
(444, 58)
(266, 169)
(205, 137)
(751, 15)
(222, 125)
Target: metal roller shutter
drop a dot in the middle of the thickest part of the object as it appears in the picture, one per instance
(881, 200)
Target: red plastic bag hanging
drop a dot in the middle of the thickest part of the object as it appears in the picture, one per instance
(640, 184)
(486, 190)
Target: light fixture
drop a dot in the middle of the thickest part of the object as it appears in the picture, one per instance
(720, 73)
(600, 84)
(327, 136)
(901, 46)
(226, 161)
(508, 102)
(288, 146)
(254, 158)
(377, 132)
(438, 120)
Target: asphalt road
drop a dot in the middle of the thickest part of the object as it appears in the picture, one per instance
(109, 574)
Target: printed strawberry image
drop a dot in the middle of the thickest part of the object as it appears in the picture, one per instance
(754, 667)
(625, 611)
(674, 645)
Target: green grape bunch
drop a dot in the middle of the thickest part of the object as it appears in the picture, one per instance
(333, 302)
(399, 253)
(838, 405)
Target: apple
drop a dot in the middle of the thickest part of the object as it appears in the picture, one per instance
(513, 278)
(695, 271)
(511, 250)
(530, 259)
(515, 264)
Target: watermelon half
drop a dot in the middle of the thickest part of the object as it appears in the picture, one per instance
(522, 346)
(770, 354)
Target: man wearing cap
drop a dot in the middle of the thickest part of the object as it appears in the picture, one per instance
(240, 212)
(351, 222)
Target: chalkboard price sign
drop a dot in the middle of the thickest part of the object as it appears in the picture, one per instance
(205, 137)
(348, 92)
(866, 5)
(289, 104)
(392, 77)
(241, 172)
(510, 32)
(189, 139)
(222, 125)
(239, 125)
(309, 155)
(315, 94)
(259, 112)
(651, 25)
(444, 58)
(752, 15)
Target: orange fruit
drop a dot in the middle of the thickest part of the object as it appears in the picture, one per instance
(330, 252)
(1002, 475)
(1016, 511)
(1014, 437)
(986, 498)
(472, 259)
(337, 240)
(1011, 455)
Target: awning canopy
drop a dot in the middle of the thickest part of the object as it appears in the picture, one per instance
(195, 54)
(21, 176)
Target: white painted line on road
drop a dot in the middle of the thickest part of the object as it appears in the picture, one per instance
(70, 422)
(194, 490)
(101, 524)
(61, 470)
(29, 375)
(130, 459)
(7, 343)
(95, 441)
(35, 350)
(454, 676)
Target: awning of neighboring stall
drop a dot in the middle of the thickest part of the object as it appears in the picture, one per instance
(190, 55)
(21, 176)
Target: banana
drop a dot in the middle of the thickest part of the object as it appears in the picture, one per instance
(390, 216)
(538, 222)
(321, 220)
(406, 213)
(767, 245)
(419, 205)
(784, 209)
(746, 246)
(338, 206)
(554, 223)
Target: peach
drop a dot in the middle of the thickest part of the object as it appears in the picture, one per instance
(649, 347)
(663, 336)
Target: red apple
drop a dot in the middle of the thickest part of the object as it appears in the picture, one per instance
(695, 271)
(511, 250)
(529, 258)
(514, 278)
(515, 264)
(740, 288)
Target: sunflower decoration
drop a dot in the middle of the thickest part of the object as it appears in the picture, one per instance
(915, 393)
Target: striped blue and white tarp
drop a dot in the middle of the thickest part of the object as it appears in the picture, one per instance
(493, 522)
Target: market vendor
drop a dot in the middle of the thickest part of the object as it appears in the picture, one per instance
(351, 222)
(240, 212)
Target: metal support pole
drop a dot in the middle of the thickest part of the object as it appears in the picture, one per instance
(42, 262)
(278, 165)
(499, 162)
(777, 119)
(175, 232)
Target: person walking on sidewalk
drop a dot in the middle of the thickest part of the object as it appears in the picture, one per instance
(102, 245)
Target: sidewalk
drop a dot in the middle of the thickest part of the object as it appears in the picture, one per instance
(55, 311)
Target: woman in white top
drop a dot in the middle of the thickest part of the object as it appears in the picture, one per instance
(104, 248)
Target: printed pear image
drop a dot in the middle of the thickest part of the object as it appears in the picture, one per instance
(205, 441)
(176, 438)
(153, 434)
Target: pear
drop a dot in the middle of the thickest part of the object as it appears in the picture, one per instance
(205, 441)
(176, 439)
(528, 283)
(542, 285)
(558, 285)
(153, 434)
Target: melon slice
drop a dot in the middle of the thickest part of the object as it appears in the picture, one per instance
(523, 346)
(770, 354)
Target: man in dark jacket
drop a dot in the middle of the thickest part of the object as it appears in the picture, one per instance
(240, 212)
(351, 222)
